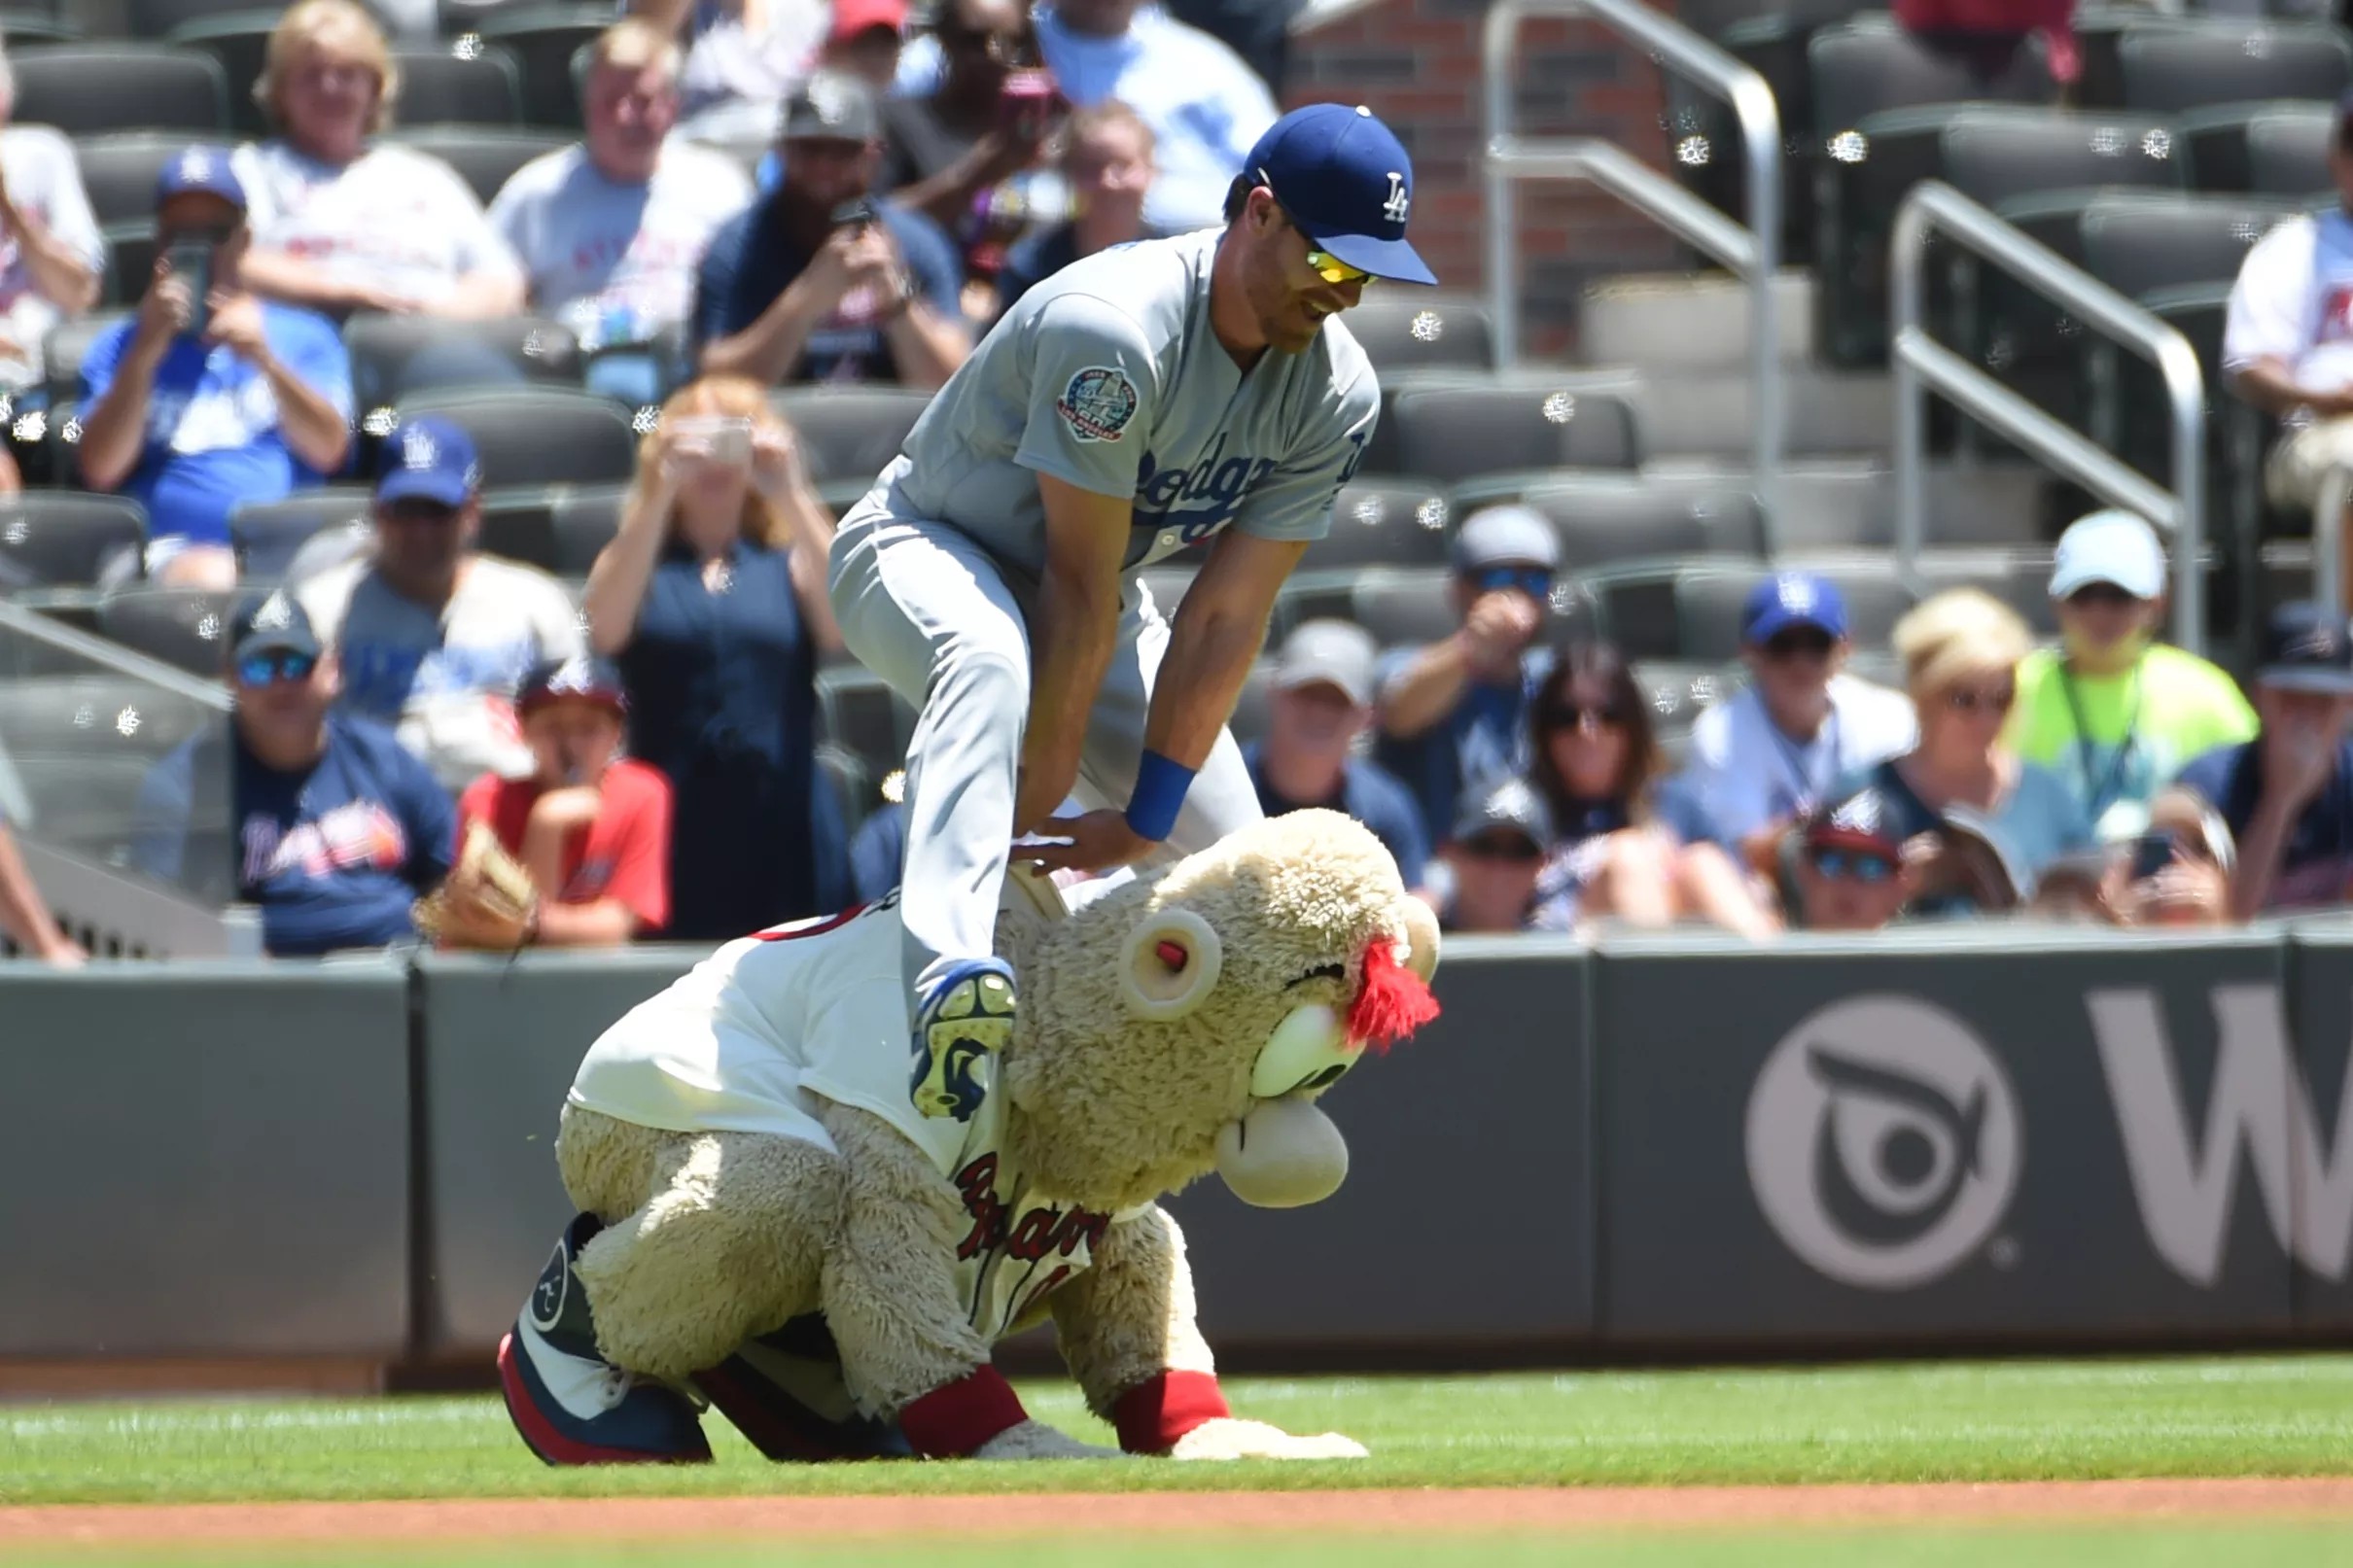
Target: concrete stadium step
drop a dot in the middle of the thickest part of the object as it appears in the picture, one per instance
(1711, 413)
(1689, 322)
(1834, 506)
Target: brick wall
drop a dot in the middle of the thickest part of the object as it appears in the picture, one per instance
(1416, 62)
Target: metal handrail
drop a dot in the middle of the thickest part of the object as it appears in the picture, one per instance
(1752, 250)
(2328, 541)
(115, 656)
(1920, 363)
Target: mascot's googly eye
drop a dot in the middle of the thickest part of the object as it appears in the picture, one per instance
(1308, 1050)
(1170, 965)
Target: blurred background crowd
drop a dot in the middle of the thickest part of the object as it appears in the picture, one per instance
(490, 469)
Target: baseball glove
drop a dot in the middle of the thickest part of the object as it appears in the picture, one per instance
(487, 900)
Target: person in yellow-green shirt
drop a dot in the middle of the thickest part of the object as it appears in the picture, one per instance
(2113, 712)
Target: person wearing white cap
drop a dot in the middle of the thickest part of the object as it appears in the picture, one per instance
(1454, 712)
(2113, 712)
(1321, 702)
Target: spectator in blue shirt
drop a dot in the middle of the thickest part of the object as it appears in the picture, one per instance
(1322, 700)
(2287, 795)
(816, 281)
(1454, 714)
(209, 396)
(332, 827)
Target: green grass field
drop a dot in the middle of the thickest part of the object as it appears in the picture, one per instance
(2247, 1415)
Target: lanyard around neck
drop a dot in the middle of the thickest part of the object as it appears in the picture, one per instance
(2099, 790)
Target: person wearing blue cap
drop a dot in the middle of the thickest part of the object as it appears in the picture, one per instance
(435, 637)
(210, 397)
(1770, 753)
(1147, 399)
(2287, 338)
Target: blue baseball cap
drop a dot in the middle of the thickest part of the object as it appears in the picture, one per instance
(432, 458)
(201, 169)
(1789, 599)
(1347, 182)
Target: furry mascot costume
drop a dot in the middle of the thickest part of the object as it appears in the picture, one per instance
(769, 1226)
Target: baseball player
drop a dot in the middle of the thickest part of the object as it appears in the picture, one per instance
(1144, 398)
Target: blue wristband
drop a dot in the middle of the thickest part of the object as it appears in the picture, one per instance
(1158, 796)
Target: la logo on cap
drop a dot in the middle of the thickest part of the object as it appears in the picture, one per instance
(274, 615)
(828, 100)
(1400, 204)
(419, 450)
(1796, 594)
(195, 165)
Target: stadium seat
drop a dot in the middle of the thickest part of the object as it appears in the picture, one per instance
(131, 262)
(183, 627)
(2288, 153)
(236, 40)
(381, 347)
(2018, 578)
(1869, 63)
(63, 538)
(155, 18)
(853, 789)
(1254, 703)
(118, 172)
(538, 436)
(1418, 330)
(2214, 141)
(1378, 522)
(267, 534)
(1708, 605)
(2188, 65)
(1608, 519)
(1457, 431)
(485, 157)
(849, 433)
(85, 89)
(557, 528)
(865, 718)
(21, 28)
(464, 81)
(543, 39)
(2136, 246)
(62, 350)
(1401, 609)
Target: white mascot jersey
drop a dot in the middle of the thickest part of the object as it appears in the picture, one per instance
(756, 1034)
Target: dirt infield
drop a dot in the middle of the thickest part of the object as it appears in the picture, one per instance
(1385, 1512)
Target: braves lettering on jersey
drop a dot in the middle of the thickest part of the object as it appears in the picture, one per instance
(1109, 377)
(758, 1034)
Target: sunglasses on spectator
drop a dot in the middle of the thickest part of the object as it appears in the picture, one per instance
(1532, 580)
(2102, 595)
(1572, 715)
(282, 664)
(1322, 262)
(417, 510)
(1838, 865)
(1800, 641)
(1971, 699)
(1502, 847)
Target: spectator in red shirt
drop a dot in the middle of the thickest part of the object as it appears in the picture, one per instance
(1985, 35)
(592, 830)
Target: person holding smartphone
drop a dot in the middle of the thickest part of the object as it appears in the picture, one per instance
(210, 397)
(816, 283)
(591, 827)
(711, 601)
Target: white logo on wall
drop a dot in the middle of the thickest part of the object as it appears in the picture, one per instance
(1398, 203)
(1883, 1141)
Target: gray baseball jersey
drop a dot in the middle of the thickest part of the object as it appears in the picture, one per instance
(1108, 377)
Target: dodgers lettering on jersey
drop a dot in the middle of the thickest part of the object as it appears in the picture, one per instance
(1109, 377)
(756, 1036)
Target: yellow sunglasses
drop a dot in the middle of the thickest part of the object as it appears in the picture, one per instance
(1323, 263)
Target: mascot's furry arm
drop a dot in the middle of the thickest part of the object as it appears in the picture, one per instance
(890, 1298)
(1126, 1326)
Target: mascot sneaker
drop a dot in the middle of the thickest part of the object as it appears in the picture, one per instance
(966, 1015)
(571, 1404)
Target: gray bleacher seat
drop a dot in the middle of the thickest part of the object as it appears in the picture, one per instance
(153, 18)
(84, 89)
(538, 436)
(462, 82)
(1461, 431)
(849, 433)
(2288, 153)
(1253, 705)
(185, 627)
(485, 157)
(131, 262)
(1708, 605)
(382, 349)
(850, 783)
(2018, 578)
(1712, 18)
(1868, 63)
(2138, 245)
(2188, 64)
(2214, 140)
(58, 538)
(119, 171)
(237, 41)
(61, 351)
(1610, 519)
(1406, 329)
(265, 535)
(865, 718)
(1382, 522)
(1404, 608)
(557, 528)
(543, 39)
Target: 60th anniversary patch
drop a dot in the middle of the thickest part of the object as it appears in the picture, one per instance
(1097, 403)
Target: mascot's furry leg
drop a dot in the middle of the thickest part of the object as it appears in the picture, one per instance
(689, 1245)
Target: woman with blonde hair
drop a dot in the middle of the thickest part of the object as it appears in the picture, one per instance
(1971, 814)
(712, 598)
(342, 222)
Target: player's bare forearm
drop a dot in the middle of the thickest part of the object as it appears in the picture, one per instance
(1072, 633)
(1219, 627)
